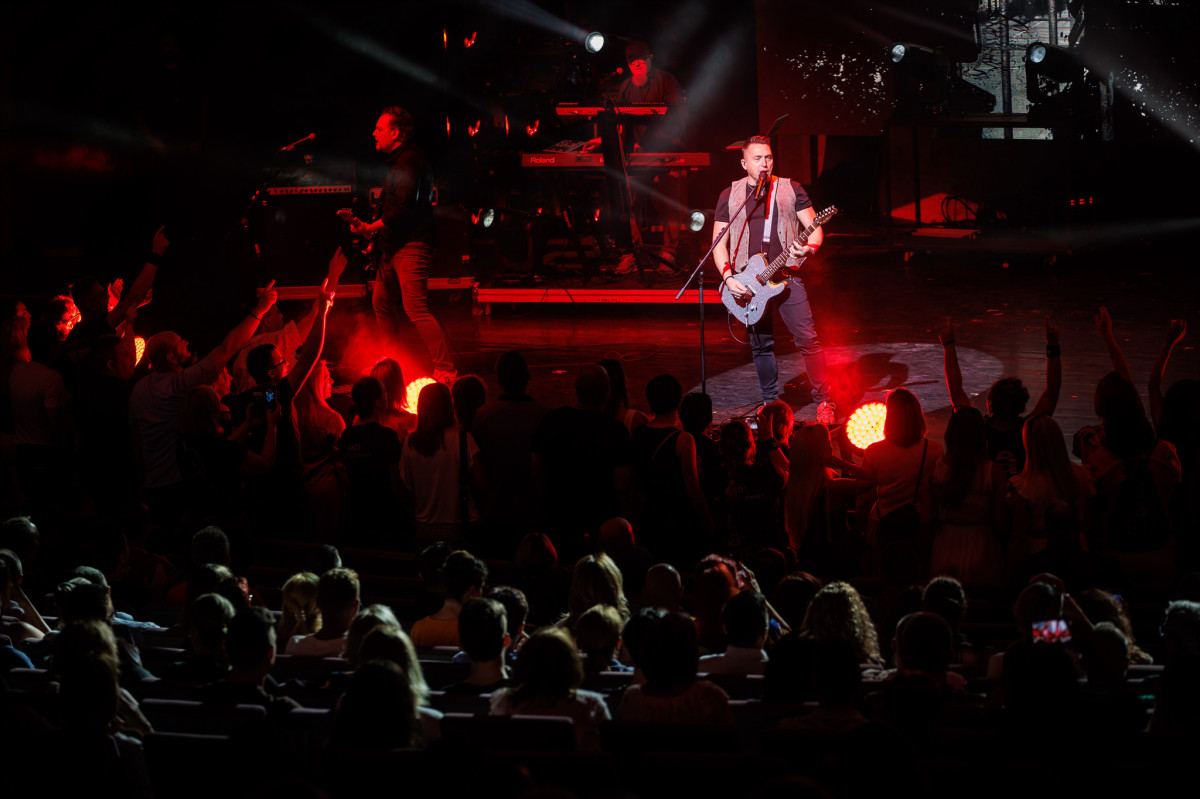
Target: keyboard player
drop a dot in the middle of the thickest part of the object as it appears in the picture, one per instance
(666, 191)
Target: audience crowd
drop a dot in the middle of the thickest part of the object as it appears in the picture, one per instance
(207, 568)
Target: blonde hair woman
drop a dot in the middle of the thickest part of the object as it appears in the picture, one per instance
(597, 581)
(298, 609)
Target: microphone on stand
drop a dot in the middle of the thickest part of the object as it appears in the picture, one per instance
(292, 146)
(759, 188)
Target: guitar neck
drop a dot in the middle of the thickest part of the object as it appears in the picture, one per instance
(781, 260)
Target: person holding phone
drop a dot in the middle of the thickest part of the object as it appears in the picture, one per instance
(213, 463)
(287, 337)
(276, 385)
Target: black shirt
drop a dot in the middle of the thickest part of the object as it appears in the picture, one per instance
(368, 451)
(579, 450)
(662, 134)
(1006, 447)
(83, 337)
(757, 215)
(287, 439)
(407, 200)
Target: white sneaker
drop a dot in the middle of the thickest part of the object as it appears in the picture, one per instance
(827, 414)
(626, 265)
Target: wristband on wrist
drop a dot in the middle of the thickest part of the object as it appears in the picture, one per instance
(154, 259)
(947, 343)
(1053, 350)
(256, 316)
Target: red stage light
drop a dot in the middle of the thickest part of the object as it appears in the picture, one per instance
(532, 129)
(413, 391)
(445, 40)
(506, 124)
(139, 349)
(447, 126)
(473, 129)
(471, 40)
(865, 425)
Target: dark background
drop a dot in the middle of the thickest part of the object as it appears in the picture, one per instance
(120, 117)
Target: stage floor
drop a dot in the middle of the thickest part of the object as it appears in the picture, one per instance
(878, 315)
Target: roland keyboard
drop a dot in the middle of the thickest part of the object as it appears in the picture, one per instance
(638, 160)
(632, 109)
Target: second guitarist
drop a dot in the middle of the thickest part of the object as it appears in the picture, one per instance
(767, 226)
(404, 233)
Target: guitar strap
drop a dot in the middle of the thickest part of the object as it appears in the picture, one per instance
(766, 234)
(785, 225)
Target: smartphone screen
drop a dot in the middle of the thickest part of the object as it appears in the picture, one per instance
(1054, 631)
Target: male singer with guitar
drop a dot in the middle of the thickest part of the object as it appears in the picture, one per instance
(785, 206)
(403, 235)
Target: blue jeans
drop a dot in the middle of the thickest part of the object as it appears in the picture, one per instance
(797, 315)
(407, 274)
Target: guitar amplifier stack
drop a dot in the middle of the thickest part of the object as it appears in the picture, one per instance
(300, 229)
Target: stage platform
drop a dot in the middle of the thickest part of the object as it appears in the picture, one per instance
(878, 316)
(563, 279)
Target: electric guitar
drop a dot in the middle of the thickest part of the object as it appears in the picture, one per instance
(758, 276)
(367, 244)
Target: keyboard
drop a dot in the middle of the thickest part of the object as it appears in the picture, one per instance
(639, 160)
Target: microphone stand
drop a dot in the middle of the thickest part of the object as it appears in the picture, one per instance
(244, 218)
(698, 276)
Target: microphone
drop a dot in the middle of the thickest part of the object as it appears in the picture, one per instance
(292, 146)
(763, 180)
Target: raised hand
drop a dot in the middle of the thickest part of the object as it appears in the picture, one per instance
(947, 335)
(223, 384)
(1176, 330)
(266, 300)
(327, 295)
(1051, 332)
(114, 293)
(337, 265)
(1104, 322)
(160, 241)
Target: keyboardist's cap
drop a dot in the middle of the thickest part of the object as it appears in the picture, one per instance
(635, 50)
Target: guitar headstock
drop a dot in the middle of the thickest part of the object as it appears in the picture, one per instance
(825, 215)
